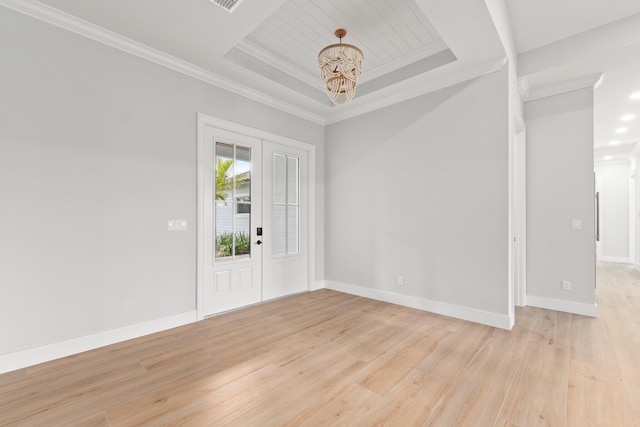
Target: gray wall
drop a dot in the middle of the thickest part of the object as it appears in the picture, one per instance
(420, 189)
(560, 187)
(97, 152)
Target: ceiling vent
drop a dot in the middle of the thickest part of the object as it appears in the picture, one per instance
(228, 5)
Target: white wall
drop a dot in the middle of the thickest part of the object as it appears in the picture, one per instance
(97, 152)
(613, 185)
(421, 189)
(560, 187)
(500, 16)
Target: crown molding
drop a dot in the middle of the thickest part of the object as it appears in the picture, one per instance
(412, 88)
(79, 26)
(616, 162)
(450, 74)
(524, 88)
(534, 93)
(622, 154)
(621, 147)
(267, 57)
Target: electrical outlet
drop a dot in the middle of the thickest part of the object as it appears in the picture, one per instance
(566, 285)
(176, 225)
(400, 280)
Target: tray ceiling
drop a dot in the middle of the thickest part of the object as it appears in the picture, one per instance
(269, 46)
(392, 34)
(266, 50)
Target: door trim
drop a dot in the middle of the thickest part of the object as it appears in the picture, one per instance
(205, 121)
(520, 210)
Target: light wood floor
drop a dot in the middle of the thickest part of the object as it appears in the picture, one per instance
(326, 359)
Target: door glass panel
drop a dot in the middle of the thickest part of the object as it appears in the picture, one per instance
(242, 197)
(232, 213)
(285, 205)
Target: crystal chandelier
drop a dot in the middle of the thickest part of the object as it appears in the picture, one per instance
(340, 68)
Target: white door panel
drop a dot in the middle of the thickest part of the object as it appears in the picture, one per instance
(232, 210)
(285, 269)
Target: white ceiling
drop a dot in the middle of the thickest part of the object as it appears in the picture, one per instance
(581, 39)
(267, 49)
(391, 34)
(612, 102)
(537, 23)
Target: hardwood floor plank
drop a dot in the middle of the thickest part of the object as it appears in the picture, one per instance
(387, 371)
(563, 325)
(101, 398)
(326, 358)
(12, 377)
(455, 352)
(539, 387)
(412, 401)
(345, 406)
(628, 357)
(49, 396)
(477, 394)
(97, 420)
(309, 384)
(183, 394)
(595, 399)
(582, 336)
(205, 402)
(505, 423)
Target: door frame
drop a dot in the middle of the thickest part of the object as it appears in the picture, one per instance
(519, 230)
(205, 121)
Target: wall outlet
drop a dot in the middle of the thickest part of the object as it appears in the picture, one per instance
(566, 285)
(400, 280)
(177, 225)
(576, 224)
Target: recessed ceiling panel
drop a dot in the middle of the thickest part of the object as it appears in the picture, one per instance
(391, 33)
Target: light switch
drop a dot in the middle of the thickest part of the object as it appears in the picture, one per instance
(177, 225)
(576, 224)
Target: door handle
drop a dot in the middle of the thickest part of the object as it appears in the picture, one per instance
(259, 242)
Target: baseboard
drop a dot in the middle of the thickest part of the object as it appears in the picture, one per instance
(502, 321)
(319, 284)
(614, 259)
(573, 307)
(22, 359)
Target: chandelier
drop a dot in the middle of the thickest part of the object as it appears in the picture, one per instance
(340, 68)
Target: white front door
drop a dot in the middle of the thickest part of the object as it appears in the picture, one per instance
(285, 220)
(255, 216)
(232, 270)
